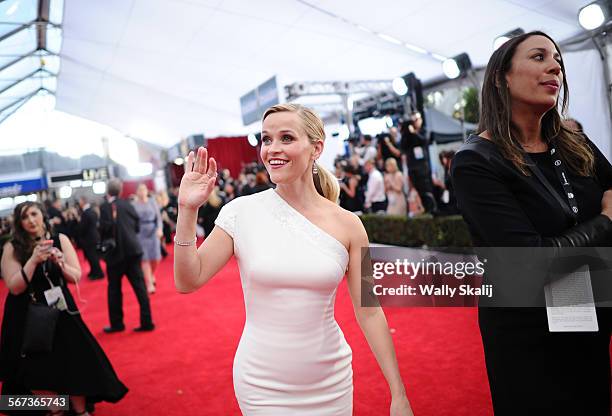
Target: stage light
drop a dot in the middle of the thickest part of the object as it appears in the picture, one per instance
(399, 86)
(252, 139)
(65, 192)
(456, 66)
(594, 14)
(99, 188)
(501, 39)
(450, 68)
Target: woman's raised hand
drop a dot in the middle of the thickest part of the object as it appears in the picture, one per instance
(198, 181)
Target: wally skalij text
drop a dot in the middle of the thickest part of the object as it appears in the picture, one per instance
(484, 276)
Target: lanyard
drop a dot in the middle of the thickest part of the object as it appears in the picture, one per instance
(567, 187)
(572, 209)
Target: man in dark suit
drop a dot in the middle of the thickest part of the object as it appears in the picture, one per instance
(89, 237)
(119, 221)
(56, 219)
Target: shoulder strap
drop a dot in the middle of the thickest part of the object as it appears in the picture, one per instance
(538, 173)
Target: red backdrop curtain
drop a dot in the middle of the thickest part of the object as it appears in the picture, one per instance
(229, 152)
(232, 153)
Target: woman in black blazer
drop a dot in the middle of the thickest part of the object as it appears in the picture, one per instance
(506, 203)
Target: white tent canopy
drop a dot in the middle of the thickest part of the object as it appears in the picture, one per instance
(163, 69)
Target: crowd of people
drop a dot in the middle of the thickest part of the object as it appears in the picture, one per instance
(387, 174)
(391, 173)
(527, 179)
(39, 260)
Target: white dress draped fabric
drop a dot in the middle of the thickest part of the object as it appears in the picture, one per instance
(292, 358)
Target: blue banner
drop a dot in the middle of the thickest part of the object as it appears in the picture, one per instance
(19, 187)
(267, 95)
(256, 102)
(249, 108)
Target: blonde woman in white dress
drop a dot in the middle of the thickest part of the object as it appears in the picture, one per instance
(394, 188)
(293, 245)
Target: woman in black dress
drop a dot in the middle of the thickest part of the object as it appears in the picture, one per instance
(500, 179)
(76, 366)
(352, 195)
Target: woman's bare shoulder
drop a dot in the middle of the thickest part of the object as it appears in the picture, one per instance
(63, 238)
(8, 251)
(8, 245)
(349, 221)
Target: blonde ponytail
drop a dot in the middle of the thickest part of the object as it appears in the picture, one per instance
(325, 183)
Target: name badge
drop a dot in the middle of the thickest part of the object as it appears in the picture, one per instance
(418, 153)
(56, 296)
(570, 306)
(445, 196)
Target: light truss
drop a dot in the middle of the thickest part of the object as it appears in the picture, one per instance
(301, 89)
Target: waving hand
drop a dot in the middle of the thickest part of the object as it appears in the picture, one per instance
(199, 179)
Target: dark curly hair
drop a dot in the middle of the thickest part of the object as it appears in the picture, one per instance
(22, 241)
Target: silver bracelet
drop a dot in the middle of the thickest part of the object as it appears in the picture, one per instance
(185, 243)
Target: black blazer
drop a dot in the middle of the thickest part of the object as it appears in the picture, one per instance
(124, 230)
(88, 228)
(531, 370)
(503, 207)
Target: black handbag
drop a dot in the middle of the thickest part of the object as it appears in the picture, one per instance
(40, 322)
(39, 333)
(106, 246)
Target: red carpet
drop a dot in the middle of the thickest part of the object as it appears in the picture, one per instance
(184, 367)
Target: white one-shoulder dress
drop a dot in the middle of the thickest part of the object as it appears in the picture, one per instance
(292, 358)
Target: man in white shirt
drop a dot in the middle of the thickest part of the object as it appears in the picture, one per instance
(375, 198)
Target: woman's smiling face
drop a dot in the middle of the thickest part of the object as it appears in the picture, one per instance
(286, 150)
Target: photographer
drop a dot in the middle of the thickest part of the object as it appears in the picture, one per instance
(415, 150)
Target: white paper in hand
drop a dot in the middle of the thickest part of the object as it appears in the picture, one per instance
(570, 305)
